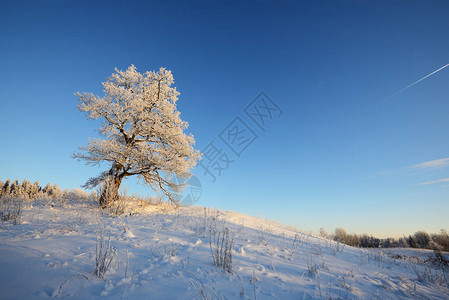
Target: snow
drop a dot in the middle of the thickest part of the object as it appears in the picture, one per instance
(164, 253)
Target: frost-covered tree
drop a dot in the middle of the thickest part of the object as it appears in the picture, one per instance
(34, 190)
(7, 187)
(142, 132)
(26, 187)
(422, 239)
(14, 187)
(47, 188)
(56, 191)
(340, 234)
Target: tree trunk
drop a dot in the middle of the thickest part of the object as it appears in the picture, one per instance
(109, 191)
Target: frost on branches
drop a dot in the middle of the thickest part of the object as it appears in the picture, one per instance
(142, 131)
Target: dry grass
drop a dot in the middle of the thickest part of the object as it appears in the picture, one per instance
(105, 254)
(221, 244)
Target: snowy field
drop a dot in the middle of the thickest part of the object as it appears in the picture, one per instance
(165, 253)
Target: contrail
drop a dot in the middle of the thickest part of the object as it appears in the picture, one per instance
(407, 87)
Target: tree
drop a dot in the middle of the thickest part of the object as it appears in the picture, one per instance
(47, 189)
(142, 133)
(411, 242)
(422, 239)
(340, 235)
(323, 233)
(26, 187)
(34, 189)
(14, 187)
(442, 239)
(7, 187)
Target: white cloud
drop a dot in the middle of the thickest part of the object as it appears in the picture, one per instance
(434, 181)
(438, 163)
(414, 170)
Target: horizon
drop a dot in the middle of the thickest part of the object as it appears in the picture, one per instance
(354, 130)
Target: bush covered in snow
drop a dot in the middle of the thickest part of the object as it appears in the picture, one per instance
(11, 209)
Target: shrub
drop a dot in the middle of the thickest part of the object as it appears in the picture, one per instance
(340, 235)
(323, 233)
(426, 274)
(11, 209)
(442, 240)
(55, 192)
(167, 252)
(422, 239)
(203, 292)
(77, 195)
(312, 269)
(118, 207)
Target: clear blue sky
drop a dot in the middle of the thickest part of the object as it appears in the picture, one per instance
(337, 156)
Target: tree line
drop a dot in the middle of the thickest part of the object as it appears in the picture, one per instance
(28, 189)
(420, 239)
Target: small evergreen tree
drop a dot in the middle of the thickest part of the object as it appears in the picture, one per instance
(14, 187)
(26, 187)
(34, 190)
(7, 187)
(47, 189)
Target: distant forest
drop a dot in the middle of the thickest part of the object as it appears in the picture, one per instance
(29, 190)
(420, 239)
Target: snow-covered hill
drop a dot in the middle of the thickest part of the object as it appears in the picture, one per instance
(165, 253)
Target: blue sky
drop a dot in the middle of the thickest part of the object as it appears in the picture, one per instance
(337, 156)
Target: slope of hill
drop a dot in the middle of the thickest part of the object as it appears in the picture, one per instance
(163, 253)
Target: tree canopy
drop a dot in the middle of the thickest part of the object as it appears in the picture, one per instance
(141, 131)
